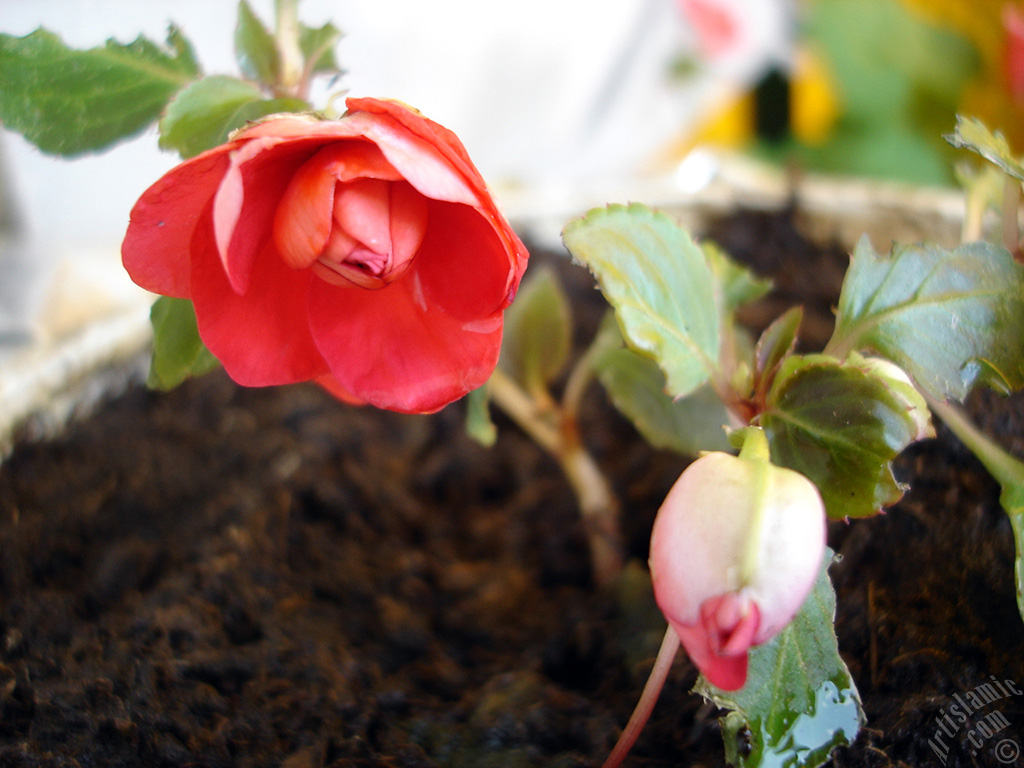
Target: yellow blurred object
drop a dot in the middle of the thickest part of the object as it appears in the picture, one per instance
(813, 111)
(980, 21)
(730, 125)
(814, 107)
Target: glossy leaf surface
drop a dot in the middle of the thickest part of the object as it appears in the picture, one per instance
(317, 44)
(686, 425)
(841, 425)
(949, 318)
(255, 48)
(799, 701)
(660, 284)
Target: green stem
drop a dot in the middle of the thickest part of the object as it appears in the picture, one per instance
(649, 697)
(755, 450)
(1011, 207)
(838, 347)
(554, 432)
(599, 509)
(1004, 468)
(974, 213)
(518, 405)
(1001, 465)
(290, 78)
(579, 378)
(755, 445)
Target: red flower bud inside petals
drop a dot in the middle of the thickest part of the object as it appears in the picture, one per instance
(731, 622)
(363, 209)
(305, 214)
(720, 641)
(378, 229)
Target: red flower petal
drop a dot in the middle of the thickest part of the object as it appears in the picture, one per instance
(155, 251)
(245, 203)
(242, 231)
(419, 162)
(727, 672)
(396, 349)
(462, 265)
(448, 146)
(331, 384)
(295, 127)
(262, 336)
(442, 140)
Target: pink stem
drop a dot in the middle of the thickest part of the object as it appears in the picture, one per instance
(652, 689)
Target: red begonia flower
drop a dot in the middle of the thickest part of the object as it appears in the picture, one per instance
(364, 253)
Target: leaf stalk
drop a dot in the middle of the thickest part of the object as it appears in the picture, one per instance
(554, 430)
(1003, 467)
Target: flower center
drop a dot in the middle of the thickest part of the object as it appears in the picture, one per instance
(377, 229)
(731, 621)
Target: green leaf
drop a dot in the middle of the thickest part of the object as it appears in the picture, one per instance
(184, 53)
(317, 46)
(777, 342)
(478, 417)
(178, 352)
(255, 49)
(538, 331)
(950, 319)
(203, 115)
(799, 701)
(636, 387)
(841, 425)
(660, 284)
(737, 285)
(972, 134)
(67, 101)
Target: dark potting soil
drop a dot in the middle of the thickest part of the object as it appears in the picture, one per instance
(228, 577)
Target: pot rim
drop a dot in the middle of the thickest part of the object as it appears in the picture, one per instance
(48, 383)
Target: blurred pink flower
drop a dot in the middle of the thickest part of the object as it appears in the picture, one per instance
(716, 27)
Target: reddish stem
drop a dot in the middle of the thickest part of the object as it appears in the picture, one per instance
(652, 689)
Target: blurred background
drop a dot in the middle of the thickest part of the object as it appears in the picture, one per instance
(550, 97)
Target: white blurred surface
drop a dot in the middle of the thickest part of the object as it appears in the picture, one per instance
(552, 95)
(539, 90)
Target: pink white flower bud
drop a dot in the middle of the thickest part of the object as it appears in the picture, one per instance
(735, 551)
